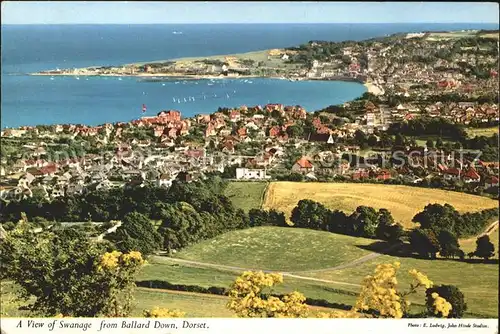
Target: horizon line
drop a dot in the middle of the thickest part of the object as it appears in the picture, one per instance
(248, 23)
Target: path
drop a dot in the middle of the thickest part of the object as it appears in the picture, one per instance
(354, 263)
(490, 229)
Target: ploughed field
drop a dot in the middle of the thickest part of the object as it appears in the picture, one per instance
(404, 202)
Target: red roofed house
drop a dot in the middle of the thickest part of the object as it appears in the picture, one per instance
(234, 116)
(471, 176)
(195, 153)
(274, 131)
(49, 170)
(158, 131)
(303, 166)
(172, 133)
(242, 132)
(382, 175)
(210, 131)
(171, 115)
(452, 174)
(359, 175)
(491, 181)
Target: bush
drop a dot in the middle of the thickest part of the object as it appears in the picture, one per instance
(452, 294)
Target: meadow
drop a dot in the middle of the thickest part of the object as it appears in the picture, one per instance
(277, 248)
(478, 281)
(246, 195)
(403, 201)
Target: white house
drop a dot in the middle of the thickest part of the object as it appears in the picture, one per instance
(249, 174)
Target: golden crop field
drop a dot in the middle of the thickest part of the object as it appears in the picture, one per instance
(403, 201)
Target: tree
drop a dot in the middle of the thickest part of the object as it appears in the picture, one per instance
(70, 274)
(309, 214)
(372, 140)
(452, 294)
(258, 217)
(364, 221)
(136, 233)
(424, 242)
(399, 140)
(360, 137)
(448, 243)
(438, 217)
(439, 143)
(484, 248)
(387, 229)
(295, 131)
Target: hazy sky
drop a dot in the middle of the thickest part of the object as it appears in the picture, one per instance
(130, 12)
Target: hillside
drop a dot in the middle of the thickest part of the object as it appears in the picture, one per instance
(278, 248)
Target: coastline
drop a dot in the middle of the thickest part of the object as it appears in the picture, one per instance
(373, 88)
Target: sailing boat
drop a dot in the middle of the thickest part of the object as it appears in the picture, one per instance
(144, 108)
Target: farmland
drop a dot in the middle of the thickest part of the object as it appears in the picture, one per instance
(277, 248)
(487, 132)
(246, 195)
(403, 201)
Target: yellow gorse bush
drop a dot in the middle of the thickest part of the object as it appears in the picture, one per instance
(246, 298)
(115, 259)
(379, 292)
(441, 305)
(420, 278)
(163, 313)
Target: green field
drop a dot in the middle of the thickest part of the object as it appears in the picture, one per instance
(246, 195)
(478, 281)
(164, 269)
(469, 245)
(194, 305)
(277, 248)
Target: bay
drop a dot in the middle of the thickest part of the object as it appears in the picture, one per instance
(31, 100)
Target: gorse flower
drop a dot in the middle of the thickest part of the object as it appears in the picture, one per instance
(379, 292)
(110, 260)
(420, 278)
(163, 313)
(114, 260)
(246, 298)
(441, 305)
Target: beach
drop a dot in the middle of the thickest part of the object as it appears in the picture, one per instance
(374, 89)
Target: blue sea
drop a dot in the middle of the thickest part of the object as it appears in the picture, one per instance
(31, 100)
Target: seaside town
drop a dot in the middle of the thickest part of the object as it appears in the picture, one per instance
(417, 78)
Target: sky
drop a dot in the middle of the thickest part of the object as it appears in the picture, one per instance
(143, 12)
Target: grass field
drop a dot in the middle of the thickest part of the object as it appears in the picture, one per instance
(469, 245)
(487, 132)
(246, 195)
(478, 281)
(194, 305)
(403, 201)
(277, 248)
(162, 268)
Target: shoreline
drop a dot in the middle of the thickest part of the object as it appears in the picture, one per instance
(370, 86)
(373, 88)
